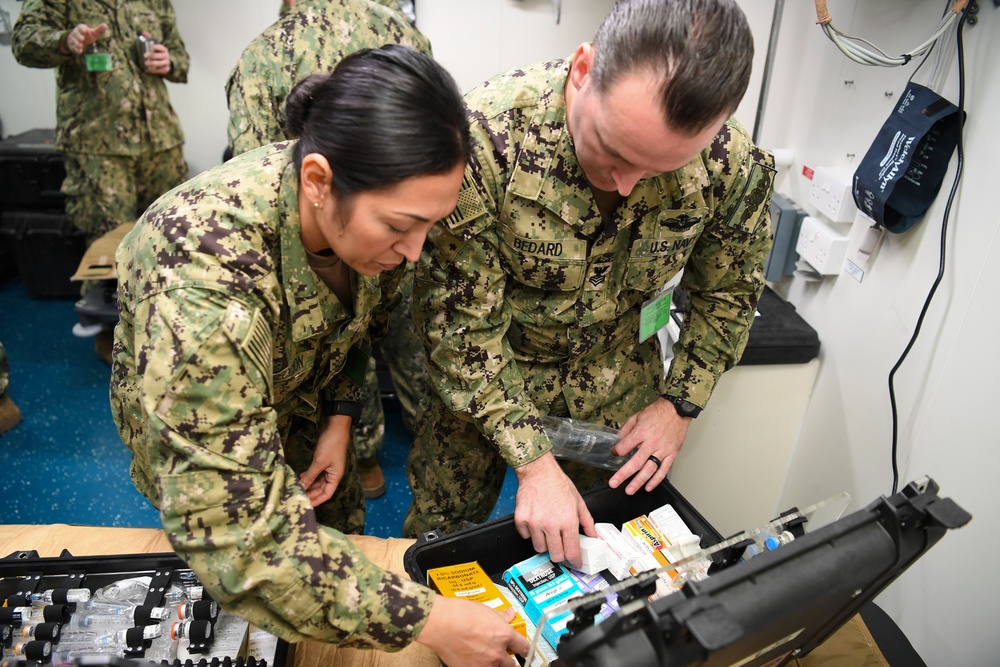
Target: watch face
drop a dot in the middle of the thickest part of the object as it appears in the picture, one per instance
(685, 408)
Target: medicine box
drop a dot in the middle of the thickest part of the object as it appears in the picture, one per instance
(540, 586)
(469, 582)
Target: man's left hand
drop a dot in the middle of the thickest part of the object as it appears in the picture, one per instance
(158, 60)
(656, 431)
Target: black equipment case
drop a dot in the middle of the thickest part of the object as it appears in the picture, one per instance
(230, 642)
(47, 248)
(779, 605)
(778, 334)
(31, 171)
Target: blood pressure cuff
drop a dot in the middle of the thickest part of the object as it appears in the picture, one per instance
(901, 174)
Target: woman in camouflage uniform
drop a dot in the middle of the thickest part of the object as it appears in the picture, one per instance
(247, 299)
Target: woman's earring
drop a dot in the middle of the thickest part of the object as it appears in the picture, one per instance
(316, 204)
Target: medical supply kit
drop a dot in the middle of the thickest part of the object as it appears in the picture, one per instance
(674, 592)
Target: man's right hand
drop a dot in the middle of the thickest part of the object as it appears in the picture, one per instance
(82, 36)
(550, 510)
(469, 633)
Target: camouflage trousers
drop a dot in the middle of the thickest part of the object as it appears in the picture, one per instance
(345, 511)
(406, 362)
(105, 191)
(4, 371)
(456, 474)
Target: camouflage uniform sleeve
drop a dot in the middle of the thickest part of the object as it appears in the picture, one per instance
(37, 33)
(239, 115)
(180, 61)
(725, 274)
(230, 505)
(346, 385)
(463, 319)
(254, 118)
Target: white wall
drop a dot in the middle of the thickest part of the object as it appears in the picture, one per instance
(945, 391)
(474, 40)
(214, 34)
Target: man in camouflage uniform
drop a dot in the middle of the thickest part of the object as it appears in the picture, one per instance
(313, 36)
(316, 36)
(594, 181)
(120, 139)
(10, 416)
(288, 5)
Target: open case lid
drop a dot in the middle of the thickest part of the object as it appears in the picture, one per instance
(778, 605)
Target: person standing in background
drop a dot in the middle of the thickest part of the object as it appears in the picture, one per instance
(287, 6)
(120, 139)
(312, 37)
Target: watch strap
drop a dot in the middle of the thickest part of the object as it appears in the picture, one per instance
(350, 408)
(684, 408)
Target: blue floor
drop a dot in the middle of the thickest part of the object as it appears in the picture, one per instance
(65, 462)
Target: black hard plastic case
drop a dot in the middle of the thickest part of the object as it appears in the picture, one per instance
(764, 612)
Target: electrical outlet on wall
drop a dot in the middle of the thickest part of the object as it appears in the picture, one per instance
(830, 193)
(823, 245)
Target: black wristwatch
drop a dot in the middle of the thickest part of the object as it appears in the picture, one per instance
(684, 408)
(350, 408)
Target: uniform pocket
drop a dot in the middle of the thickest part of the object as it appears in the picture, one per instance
(291, 371)
(545, 262)
(661, 247)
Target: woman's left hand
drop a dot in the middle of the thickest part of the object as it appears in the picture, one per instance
(329, 461)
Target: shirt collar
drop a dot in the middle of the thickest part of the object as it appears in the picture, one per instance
(312, 306)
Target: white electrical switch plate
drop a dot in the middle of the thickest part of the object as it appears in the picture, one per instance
(831, 194)
(822, 245)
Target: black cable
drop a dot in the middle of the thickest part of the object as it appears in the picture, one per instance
(944, 237)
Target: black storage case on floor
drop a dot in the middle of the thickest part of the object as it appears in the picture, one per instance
(778, 335)
(779, 605)
(26, 572)
(47, 249)
(31, 171)
(8, 265)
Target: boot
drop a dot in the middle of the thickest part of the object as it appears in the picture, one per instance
(372, 479)
(10, 417)
(103, 342)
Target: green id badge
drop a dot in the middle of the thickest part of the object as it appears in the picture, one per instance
(98, 62)
(654, 315)
(356, 365)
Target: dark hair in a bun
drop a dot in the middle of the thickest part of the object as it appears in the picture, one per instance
(299, 102)
(382, 116)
